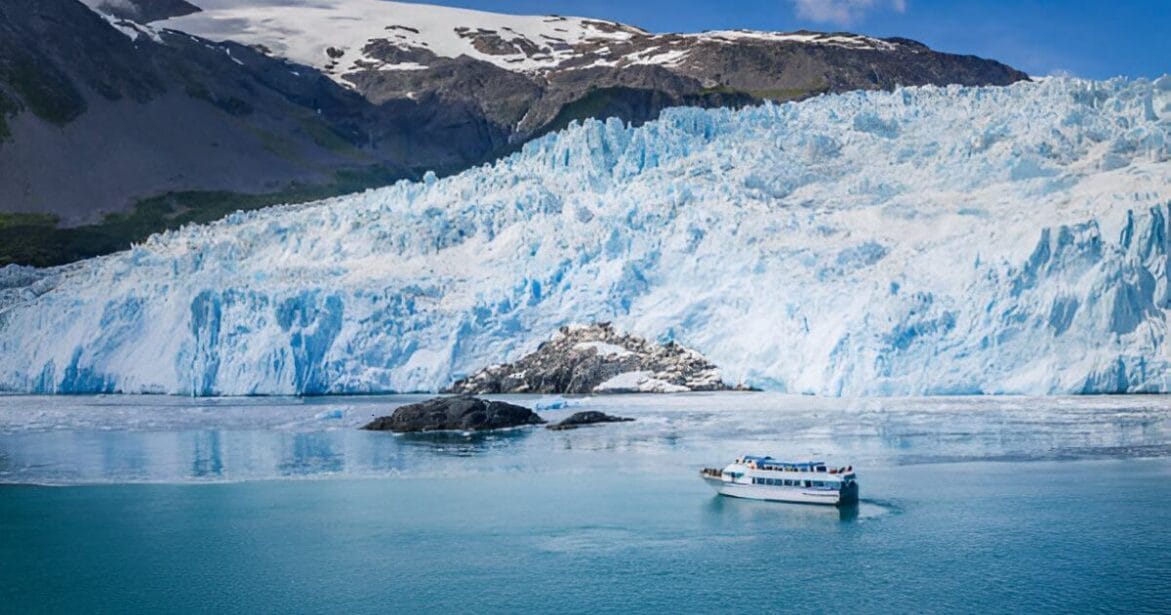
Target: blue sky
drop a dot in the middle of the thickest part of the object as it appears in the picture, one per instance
(1095, 39)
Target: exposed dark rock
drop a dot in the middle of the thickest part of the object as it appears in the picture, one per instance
(588, 417)
(598, 359)
(455, 413)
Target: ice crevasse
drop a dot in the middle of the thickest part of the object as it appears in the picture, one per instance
(922, 241)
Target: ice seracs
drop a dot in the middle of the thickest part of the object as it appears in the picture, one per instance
(922, 241)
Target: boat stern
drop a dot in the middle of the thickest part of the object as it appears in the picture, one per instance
(849, 494)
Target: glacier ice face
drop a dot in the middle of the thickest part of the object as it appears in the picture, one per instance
(922, 241)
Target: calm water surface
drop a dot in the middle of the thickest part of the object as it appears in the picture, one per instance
(280, 505)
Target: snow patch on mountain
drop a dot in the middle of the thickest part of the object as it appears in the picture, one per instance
(923, 241)
(132, 29)
(839, 39)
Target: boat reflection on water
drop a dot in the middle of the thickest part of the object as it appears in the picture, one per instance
(461, 443)
(733, 511)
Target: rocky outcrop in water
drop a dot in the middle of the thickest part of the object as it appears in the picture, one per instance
(455, 414)
(598, 359)
(589, 417)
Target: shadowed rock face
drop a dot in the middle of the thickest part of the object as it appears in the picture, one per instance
(93, 118)
(598, 359)
(455, 414)
(589, 417)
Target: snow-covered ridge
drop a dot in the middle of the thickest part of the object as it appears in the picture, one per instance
(927, 240)
(855, 41)
(332, 35)
(341, 37)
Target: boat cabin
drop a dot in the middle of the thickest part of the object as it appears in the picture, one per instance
(756, 470)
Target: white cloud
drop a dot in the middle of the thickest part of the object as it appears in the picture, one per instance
(843, 12)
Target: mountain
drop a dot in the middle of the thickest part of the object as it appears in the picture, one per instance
(923, 241)
(142, 115)
(523, 72)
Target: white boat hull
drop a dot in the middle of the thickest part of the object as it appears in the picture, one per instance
(772, 493)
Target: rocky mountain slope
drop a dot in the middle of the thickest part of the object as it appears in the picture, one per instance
(528, 74)
(99, 113)
(597, 359)
(132, 116)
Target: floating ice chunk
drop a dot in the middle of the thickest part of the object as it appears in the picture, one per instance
(555, 404)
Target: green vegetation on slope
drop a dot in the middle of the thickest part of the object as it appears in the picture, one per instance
(35, 239)
(45, 91)
(818, 86)
(7, 108)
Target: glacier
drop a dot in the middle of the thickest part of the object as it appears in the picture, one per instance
(923, 241)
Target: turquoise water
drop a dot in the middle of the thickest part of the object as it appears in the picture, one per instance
(258, 505)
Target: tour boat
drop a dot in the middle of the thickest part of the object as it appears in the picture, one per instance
(765, 478)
